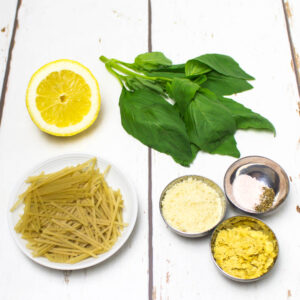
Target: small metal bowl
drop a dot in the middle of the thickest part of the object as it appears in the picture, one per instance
(264, 170)
(253, 223)
(208, 182)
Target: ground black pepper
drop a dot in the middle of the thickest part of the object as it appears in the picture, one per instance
(266, 200)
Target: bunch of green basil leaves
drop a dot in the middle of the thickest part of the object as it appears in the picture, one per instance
(181, 109)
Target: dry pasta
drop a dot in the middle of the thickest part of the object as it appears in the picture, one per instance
(71, 214)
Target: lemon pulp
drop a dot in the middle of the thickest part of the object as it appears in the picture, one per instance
(63, 98)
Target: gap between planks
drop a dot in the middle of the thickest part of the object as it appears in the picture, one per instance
(150, 213)
(292, 47)
(10, 50)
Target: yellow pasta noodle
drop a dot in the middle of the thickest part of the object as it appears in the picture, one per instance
(71, 214)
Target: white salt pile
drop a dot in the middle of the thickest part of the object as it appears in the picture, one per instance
(247, 191)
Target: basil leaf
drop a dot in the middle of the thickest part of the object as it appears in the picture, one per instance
(195, 149)
(151, 61)
(200, 119)
(208, 94)
(165, 74)
(200, 79)
(168, 71)
(225, 85)
(224, 64)
(138, 83)
(227, 147)
(208, 122)
(182, 91)
(156, 123)
(179, 68)
(194, 67)
(245, 118)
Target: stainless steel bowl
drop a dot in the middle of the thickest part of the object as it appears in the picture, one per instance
(264, 170)
(208, 182)
(236, 221)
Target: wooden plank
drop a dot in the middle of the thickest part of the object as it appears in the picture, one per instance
(80, 30)
(254, 33)
(7, 17)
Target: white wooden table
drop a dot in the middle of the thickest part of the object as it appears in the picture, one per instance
(263, 36)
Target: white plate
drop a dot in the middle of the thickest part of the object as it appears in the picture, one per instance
(115, 179)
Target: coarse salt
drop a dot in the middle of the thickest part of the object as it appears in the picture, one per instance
(247, 191)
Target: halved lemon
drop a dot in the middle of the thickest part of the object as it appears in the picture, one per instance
(63, 98)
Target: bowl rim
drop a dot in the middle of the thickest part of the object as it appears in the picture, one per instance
(232, 169)
(204, 179)
(231, 276)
